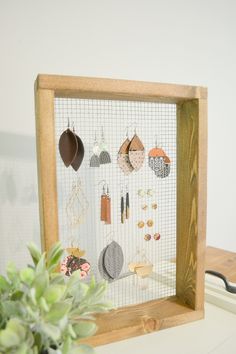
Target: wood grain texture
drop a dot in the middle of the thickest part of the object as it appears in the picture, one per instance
(46, 156)
(191, 202)
(86, 87)
(140, 319)
(221, 261)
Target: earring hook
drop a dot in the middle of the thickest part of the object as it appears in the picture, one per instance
(130, 126)
(102, 181)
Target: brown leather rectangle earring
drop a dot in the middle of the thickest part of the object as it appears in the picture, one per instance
(103, 205)
(108, 208)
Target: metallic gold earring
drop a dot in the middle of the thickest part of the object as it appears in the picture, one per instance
(157, 236)
(150, 223)
(141, 224)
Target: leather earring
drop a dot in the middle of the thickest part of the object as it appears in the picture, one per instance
(75, 164)
(68, 146)
(94, 160)
(159, 162)
(104, 156)
(108, 207)
(123, 157)
(136, 152)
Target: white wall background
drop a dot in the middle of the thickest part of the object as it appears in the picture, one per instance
(184, 41)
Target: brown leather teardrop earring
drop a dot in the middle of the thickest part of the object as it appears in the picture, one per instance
(80, 152)
(68, 146)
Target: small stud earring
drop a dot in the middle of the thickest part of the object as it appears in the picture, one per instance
(150, 192)
(141, 192)
(150, 223)
(147, 237)
(140, 224)
(157, 236)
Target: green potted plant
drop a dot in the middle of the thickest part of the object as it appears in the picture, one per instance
(41, 312)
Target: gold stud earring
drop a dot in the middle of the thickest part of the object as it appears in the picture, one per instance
(150, 223)
(140, 224)
(147, 237)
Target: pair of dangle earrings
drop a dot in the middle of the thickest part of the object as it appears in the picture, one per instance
(131, 154)
(100, 154)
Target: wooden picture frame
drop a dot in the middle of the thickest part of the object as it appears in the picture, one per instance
(191, 101)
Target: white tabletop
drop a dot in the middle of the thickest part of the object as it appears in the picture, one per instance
(216, 334)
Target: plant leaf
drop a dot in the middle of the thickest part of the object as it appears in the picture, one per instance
(15, 325)
(34, 252)
(12, 272)
(54, 293)
(54, 256)
(40, 284)
(57, 278)
(85, 329)
(43, 304)
(51, 331)
(58, 311)
(9, 338)
(27, 275)
(41, 265)
(66, 347)
(4, 285)
(11, 308)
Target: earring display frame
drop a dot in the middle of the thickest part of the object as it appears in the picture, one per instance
(191, 103)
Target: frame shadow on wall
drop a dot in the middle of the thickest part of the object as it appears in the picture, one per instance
(18, 197)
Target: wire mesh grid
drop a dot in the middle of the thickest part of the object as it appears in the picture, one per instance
(150, 120)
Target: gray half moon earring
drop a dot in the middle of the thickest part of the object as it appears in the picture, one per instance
(104, 156)
(94, 160)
